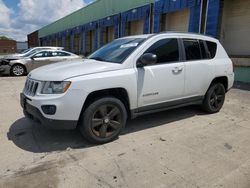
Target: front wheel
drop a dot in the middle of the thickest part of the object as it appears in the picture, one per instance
(103, 120)
(214, 98)
(17, 70)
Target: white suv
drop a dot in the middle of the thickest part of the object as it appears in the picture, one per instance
(129, 77)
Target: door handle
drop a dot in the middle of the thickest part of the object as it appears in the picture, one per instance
(177, 69)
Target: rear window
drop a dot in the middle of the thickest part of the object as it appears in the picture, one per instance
(55, 54)
(212, 48)
(203, 50)
(43, 54)
(192, 49)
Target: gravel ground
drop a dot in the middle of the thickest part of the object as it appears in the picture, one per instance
(177, 148)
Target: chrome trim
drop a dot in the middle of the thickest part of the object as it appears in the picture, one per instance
(30, 87)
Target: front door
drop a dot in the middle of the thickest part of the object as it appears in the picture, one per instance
(41, 59)
(163, 81)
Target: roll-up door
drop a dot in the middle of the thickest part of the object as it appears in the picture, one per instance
(59, 42)
(235, 27)
(67, 43)
(90, 40)
(134, 28)
(53, 42)
(108, 34)
(77, 43)
(111, 33)
(175, 21)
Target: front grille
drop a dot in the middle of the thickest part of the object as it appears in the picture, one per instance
(30, 87)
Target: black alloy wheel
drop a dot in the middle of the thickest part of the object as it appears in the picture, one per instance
(103, 120)
(214, 98)
(106, 121)
(217, 97)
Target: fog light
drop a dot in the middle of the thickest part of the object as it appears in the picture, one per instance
(49, 109)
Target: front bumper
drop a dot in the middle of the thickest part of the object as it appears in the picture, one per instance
(5, 69)
(230, 78)
(35, 114)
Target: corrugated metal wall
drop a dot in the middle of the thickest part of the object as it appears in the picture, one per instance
(89, 28)
(128, 17)
(95, 11)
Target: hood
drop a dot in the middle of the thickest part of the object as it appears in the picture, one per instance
(68, 69)
(11, 57)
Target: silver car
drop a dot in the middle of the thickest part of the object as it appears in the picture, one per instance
(18, 66)
(30, 51)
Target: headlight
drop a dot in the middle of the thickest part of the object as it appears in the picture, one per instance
(55, 87)
(4, 62)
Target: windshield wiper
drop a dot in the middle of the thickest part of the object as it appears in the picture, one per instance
(97, 58)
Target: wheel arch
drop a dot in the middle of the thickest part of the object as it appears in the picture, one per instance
(119, 93)
(25, 68)
(221, 79)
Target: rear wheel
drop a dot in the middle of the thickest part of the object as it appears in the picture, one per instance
(17, 70)
(214, 98)
(103, 120)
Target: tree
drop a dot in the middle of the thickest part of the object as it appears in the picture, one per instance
(5, 38)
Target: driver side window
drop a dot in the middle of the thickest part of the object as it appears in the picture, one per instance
(43, 54)
(167, 50)
(38, 55)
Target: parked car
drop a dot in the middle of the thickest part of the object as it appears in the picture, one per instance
(31, 51)
(18, 66)
(129, 77)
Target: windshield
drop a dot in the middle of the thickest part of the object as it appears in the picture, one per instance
(117, 51)
(31, 53)
(25, 51)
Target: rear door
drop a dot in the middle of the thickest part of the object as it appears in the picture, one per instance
(64, 56)
(56, 57)
(199, 67)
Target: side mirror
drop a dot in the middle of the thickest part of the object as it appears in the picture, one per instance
(32, 58)
(147, 59)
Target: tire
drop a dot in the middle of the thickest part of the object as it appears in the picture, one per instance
(17, 70)
(103, 120)
(214, 98)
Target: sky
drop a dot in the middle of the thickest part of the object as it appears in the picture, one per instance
(21, 17)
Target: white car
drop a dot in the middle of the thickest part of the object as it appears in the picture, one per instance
(126, 78)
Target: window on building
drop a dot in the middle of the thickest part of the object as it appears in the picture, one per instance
(166, 50)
